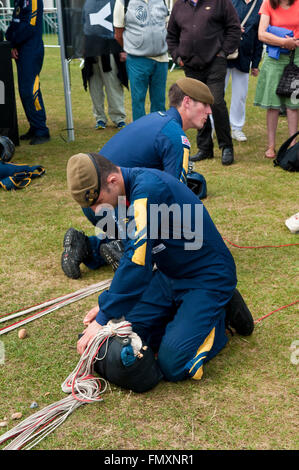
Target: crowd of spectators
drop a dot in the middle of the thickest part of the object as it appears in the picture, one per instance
(196, 37)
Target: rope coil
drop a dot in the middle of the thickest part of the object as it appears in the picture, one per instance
(81, 386)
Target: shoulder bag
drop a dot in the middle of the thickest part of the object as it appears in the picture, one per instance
(235, 54)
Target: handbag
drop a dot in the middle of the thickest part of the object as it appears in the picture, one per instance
(288, 157)
(289, 79)
(235, 54)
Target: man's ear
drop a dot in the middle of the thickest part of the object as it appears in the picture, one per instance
(186, 101)
(112, 178)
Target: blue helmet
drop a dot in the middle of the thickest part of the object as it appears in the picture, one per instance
(7, 148)
(197, 183)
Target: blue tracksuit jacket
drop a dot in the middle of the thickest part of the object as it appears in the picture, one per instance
(156, 140)
(179, 310)
(210, 266)
(25, 34)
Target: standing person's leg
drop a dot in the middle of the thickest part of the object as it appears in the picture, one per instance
(216, 82)
(29, 67)
(138, 70)
(272, 121)
(157, 86)
(237, 113)
(115, 94)
(292, 116)
(97, 95)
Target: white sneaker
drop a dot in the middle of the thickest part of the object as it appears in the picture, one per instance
(293, 223)
(237, 134)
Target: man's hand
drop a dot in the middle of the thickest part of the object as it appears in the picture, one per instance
(88, 335)
(91, 315)
(15, 53)
(254, 72)
(122, 56)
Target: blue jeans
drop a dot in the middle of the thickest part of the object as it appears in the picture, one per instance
(146, 74)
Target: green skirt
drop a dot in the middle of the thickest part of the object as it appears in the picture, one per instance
(269, 76)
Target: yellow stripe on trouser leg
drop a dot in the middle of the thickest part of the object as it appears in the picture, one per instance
(35, 91)
(140, 215)
(204, 348)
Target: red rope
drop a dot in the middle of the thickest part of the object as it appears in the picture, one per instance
(262, 246)
(266, 246)
(276, 310)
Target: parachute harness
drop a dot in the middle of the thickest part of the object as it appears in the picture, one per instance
(81, 386)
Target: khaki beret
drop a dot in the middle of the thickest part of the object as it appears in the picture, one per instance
(197, 90)
(83, 179)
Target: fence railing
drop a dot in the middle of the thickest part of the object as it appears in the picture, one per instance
(50, 25)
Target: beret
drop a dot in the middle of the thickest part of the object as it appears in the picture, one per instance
(197, 90)
(83, 179)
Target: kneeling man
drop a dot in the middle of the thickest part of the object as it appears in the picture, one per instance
(180, 308)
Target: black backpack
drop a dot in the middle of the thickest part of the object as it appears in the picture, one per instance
(288, 158)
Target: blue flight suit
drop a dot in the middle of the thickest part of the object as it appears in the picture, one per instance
(156, 140)
(179, 310)
(25, 34)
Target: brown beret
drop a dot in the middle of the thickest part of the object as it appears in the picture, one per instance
(82, 179)
(197, 90)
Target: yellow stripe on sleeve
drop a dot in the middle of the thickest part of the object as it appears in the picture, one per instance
(185, 164)
(34, 13)
(140, 215)
(186, 159)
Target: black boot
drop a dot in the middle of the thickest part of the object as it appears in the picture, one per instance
(112, 253)
(28, 135)
(76, 250)
(238, 315)
(202, 155)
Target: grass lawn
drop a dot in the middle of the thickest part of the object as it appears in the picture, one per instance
(248, 395)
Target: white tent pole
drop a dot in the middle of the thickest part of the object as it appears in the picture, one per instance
(65, 74)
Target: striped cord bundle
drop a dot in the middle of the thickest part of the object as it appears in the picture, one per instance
(81, 386)
(51, 305)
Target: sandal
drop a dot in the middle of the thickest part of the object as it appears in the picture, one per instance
(270, 153)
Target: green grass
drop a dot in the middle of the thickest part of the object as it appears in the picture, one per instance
(247, 397)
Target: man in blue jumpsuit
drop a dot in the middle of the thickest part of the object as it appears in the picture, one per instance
(157, 140)
(179, 311)
(25, 34)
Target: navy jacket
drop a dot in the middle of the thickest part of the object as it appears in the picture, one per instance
(156, 140)
(26, 28)
(196, 33)
(190, 251)
(250, 49)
